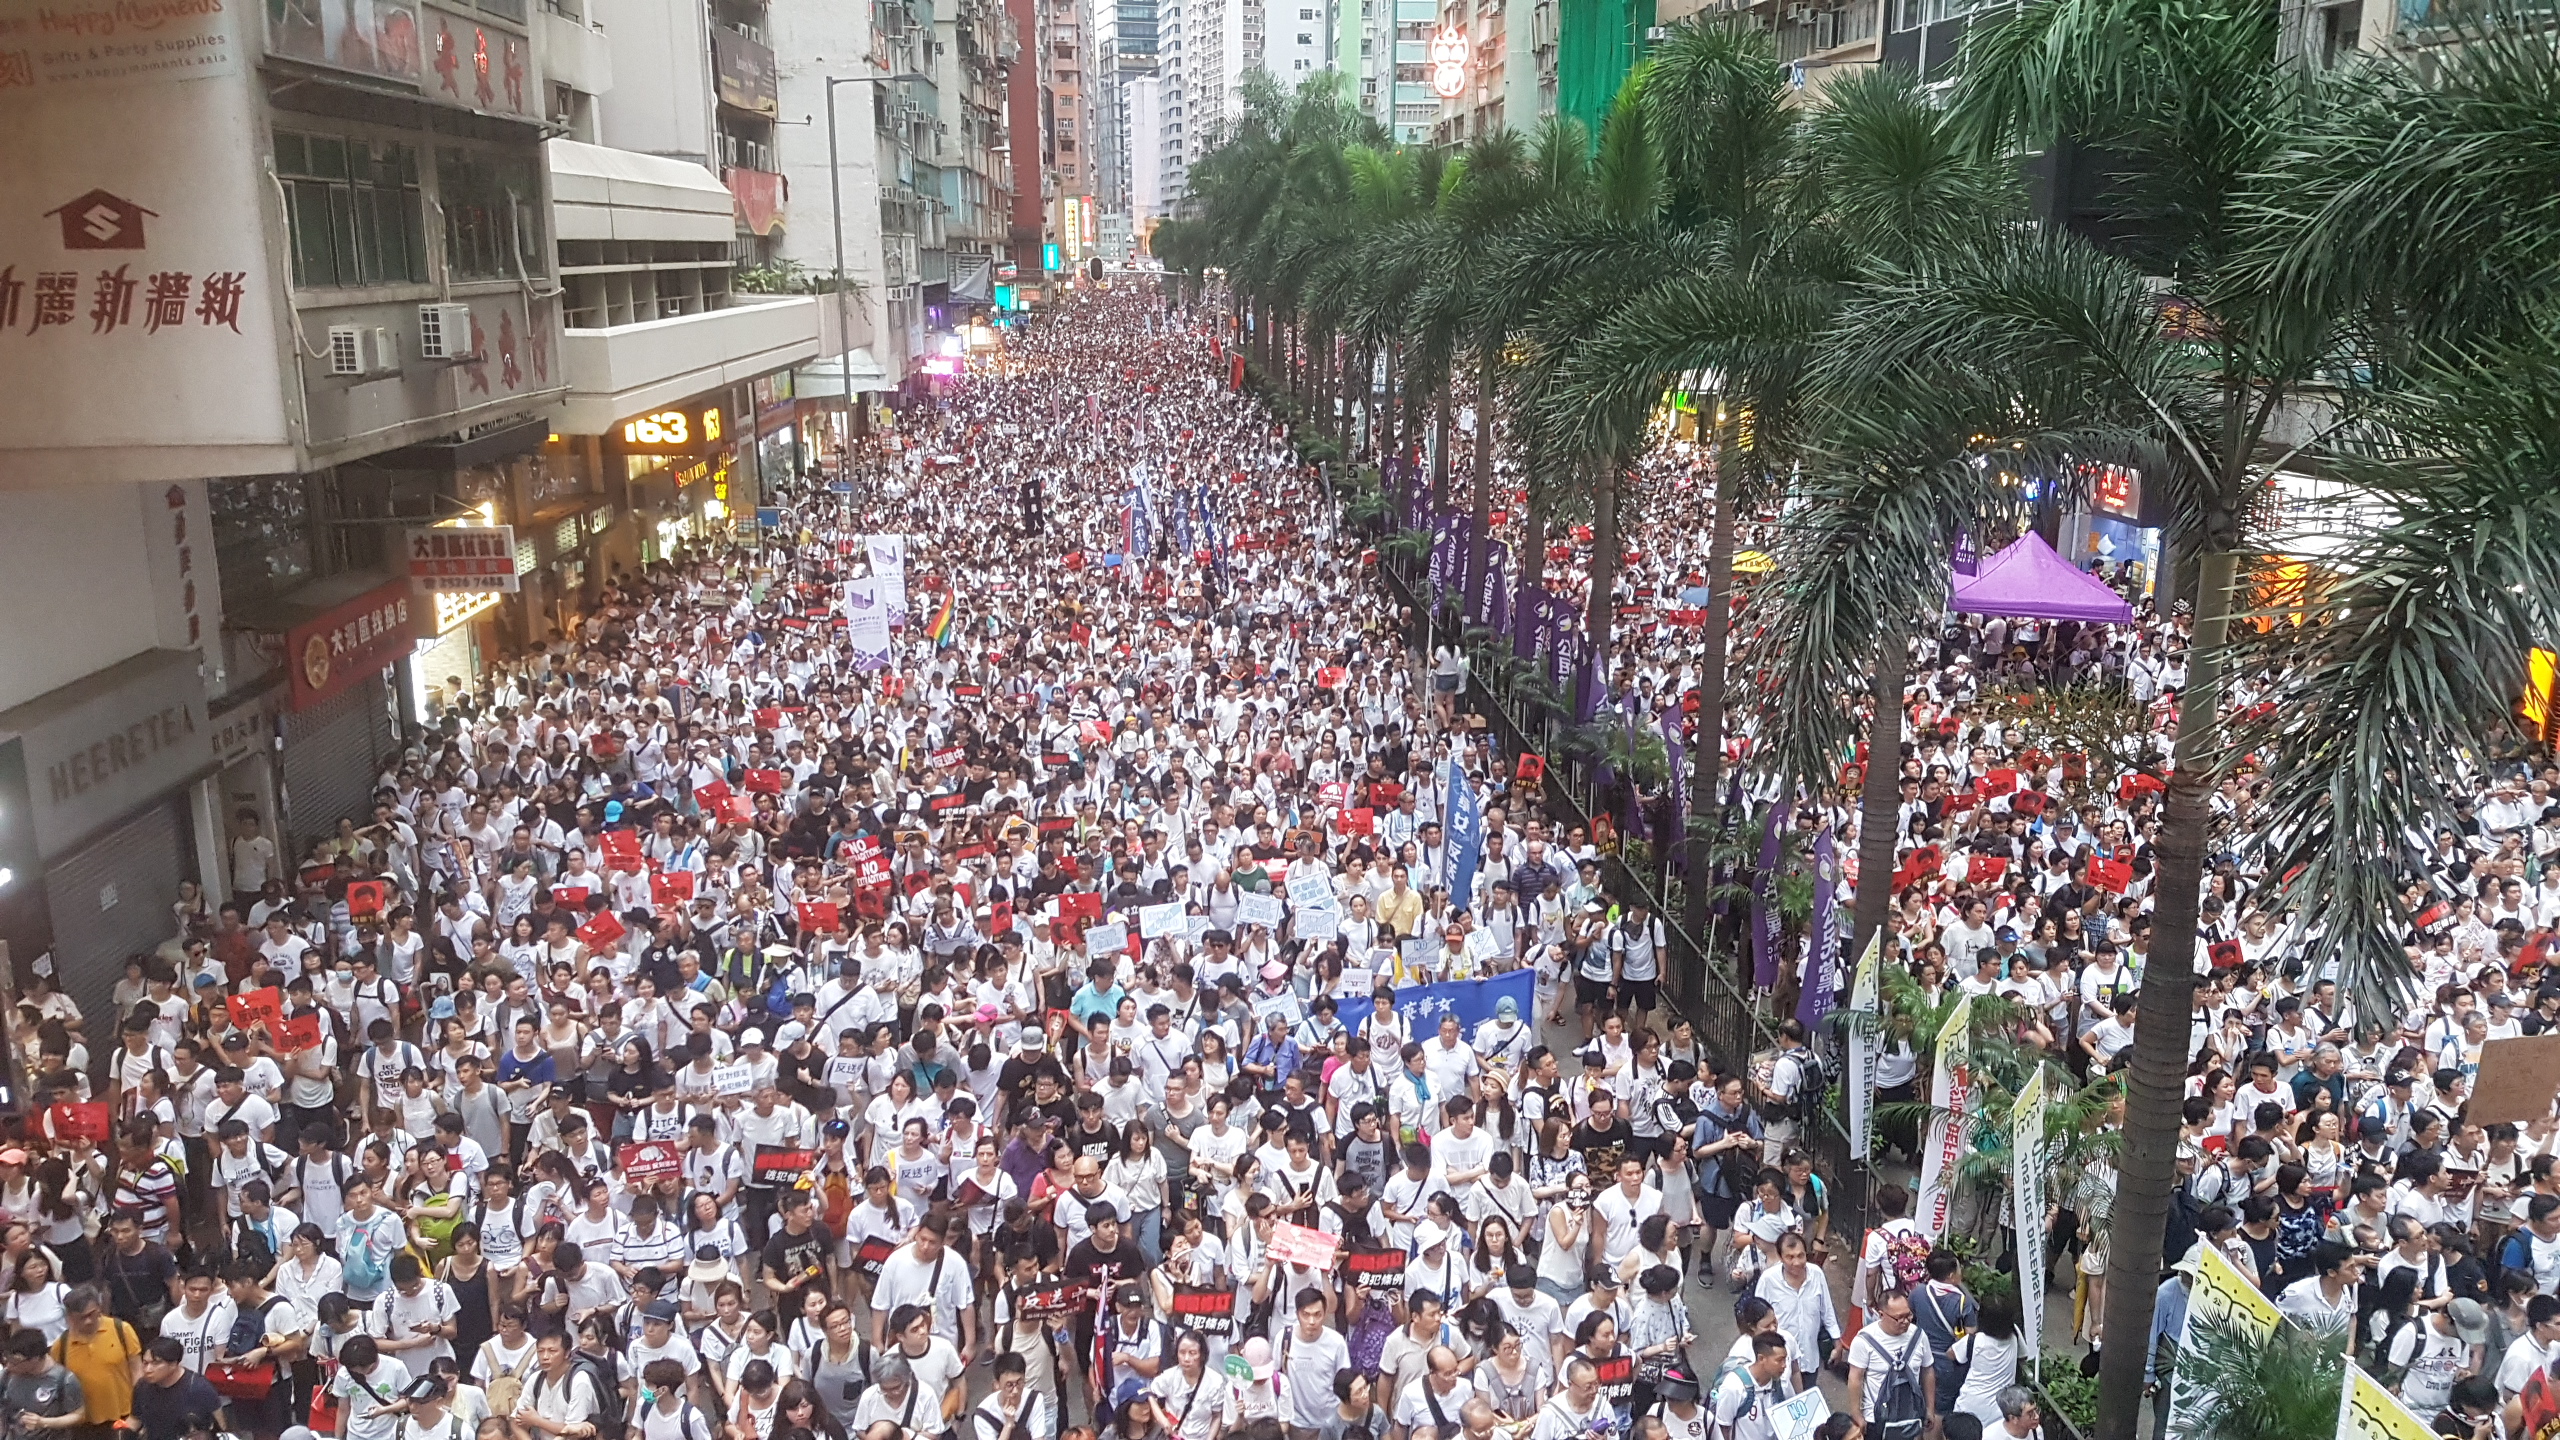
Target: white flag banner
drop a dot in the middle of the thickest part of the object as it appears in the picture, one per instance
(2026, 1204)
(889, 569)
(1950, 1098)
(1866, 1044)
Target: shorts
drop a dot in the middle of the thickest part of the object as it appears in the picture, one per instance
(1716, 1212)
(1641, 994)
(1587, 991)
(1445, 684)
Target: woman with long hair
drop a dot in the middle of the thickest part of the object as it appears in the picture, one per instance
(63, 1198)
(1496, 1251)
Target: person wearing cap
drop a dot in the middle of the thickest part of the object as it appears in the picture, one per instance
(2439, 1348)
(661, 1338)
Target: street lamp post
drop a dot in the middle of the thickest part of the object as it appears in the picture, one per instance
(835, 206)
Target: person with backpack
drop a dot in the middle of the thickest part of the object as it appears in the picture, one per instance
(368, 1235)
(1945, 1314)
(1893, 1381)
(663, 1410)
(1895, 1259)
(561, 1401)
(268, 1332)
(1792, 1095)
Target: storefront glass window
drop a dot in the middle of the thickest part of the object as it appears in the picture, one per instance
(492, 214)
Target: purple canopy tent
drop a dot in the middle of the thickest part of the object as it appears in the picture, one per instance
(2028, 578)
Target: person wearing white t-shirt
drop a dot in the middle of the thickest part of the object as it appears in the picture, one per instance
(1622, 1208)
(664, 1410)
(560, 1401)
(924, 1272)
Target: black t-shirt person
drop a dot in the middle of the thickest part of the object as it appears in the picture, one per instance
(1102, 1269)
(799, 1260)
(1601, 1148)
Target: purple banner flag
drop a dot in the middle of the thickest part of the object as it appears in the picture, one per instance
(1821, 975)
(1764, 901)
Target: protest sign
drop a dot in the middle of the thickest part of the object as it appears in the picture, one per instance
(1260, 910)
(1160, 922)
(649, 1160)
(1104, 939)
(1303, 1246)
(732, 1079)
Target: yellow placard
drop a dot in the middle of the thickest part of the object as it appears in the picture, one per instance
(2370, 1412)
(2223, 1293)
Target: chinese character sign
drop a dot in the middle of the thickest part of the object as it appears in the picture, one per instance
(1419, 1007)
(455, 558)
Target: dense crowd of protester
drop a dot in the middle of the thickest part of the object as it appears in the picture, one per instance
(709, 1038)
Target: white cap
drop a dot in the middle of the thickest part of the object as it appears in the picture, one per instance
(789, 1034)
(753, 1036)
(1428, 1234)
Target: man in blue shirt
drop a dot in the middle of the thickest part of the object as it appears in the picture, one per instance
(1273, 1056)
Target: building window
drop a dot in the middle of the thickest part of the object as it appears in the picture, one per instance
(492, 214)
(261, 535)
(353, 209)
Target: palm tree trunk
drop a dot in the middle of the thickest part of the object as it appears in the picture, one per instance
(1417, 400)
(2155, 1080)
(1387, 409)
(1706, 758)
(1604, 577)
(1440, 452)
(1880, 796)
(1533, 539)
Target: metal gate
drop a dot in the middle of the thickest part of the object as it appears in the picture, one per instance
(332, 752)
(110, 900)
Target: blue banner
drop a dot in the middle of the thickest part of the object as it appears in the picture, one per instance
(1464, 831)
(1420, 1007)
(1493, 598)
(1821, 974)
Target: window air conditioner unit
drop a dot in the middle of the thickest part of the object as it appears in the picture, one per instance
(1657, 34)
(444, 332)
(385, 354)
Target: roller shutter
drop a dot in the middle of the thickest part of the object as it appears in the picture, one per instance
(332, 751)
(110, 899)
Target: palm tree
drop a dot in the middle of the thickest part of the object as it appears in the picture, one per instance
(2060, 351)
(1797, 207)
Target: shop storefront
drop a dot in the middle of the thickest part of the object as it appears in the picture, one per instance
(681, 464)
(2112, 528)
(347, 648)
(245, 727)
(110, 764)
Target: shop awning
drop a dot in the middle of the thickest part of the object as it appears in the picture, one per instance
(826, 378)
(2028, 579)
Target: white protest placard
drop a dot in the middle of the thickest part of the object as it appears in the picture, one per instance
(1355, 983)
(1311, 891)
(732, 1079)
(1196, 928)
(1481, 946)
(1260, 910)
(1104, 939)
(1160, 922)
(1799, 1418)
(1319, 924)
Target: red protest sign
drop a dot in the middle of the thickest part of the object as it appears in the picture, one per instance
(258, 1007)
(79, 1120)
(649, 1160)
(818, 916)
(1530, 770)
(1359, 820)
(1000, 917)
(950, 757)
(2112, 876)
(1080, 905)
(573, 897)
(1983, 869)
(769, 718)
(670, 887)
(621, 848)
(1999, 782)
(601, 930)
(764, 782)
(298, 1032)
(738, 808)
(713, 793)
(366, 900)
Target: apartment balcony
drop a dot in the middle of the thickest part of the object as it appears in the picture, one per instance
(631, 369)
